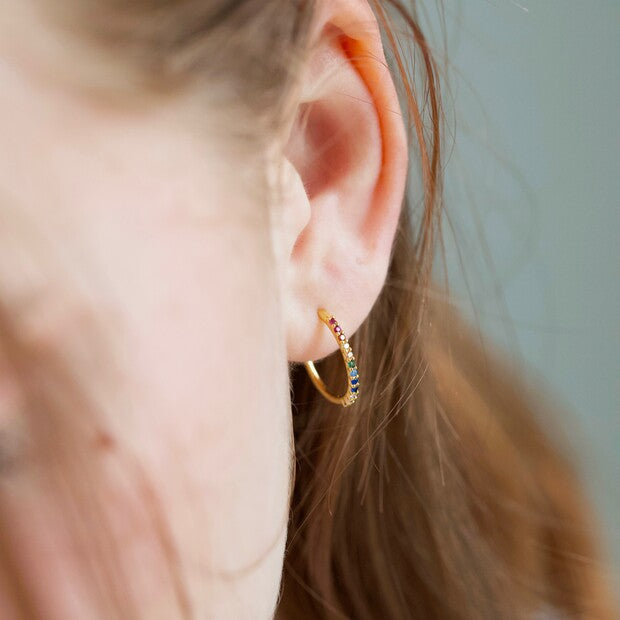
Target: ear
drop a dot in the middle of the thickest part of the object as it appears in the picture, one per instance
(347, 158)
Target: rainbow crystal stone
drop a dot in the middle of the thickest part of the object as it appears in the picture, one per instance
(352, 393)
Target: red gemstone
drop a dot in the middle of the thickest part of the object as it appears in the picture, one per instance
(337, 329)
(332, 321)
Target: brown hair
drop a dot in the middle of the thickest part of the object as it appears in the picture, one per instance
(439, 496)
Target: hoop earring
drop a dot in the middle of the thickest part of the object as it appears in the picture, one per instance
(353, 377)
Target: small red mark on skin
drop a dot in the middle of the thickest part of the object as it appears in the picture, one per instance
(104, 441)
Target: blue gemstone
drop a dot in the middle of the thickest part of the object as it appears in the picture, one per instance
(355, 381)
(354, 373)
(355, 390)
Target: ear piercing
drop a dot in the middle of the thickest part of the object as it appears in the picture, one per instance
(353, 378)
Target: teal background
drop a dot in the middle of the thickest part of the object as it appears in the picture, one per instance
(533, 192)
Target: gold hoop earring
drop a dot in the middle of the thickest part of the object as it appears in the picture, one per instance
(353, 377)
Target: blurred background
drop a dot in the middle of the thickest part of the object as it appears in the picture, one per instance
(533, 197)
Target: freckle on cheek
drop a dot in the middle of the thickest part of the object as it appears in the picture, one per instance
(104, 442)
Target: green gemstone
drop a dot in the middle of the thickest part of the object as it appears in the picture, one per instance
(352, 364)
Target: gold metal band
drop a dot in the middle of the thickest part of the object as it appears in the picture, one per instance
(353, 378)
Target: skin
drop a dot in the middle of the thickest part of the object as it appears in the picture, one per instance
(207, 296)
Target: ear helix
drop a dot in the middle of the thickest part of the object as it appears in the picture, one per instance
(353, 378)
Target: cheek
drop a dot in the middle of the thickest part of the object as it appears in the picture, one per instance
(182, 269)
(208, 385)
(180, 264)
(202, 361)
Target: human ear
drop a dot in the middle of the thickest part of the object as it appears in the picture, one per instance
(347, 159)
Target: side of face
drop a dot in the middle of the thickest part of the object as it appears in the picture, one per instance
(134, 215)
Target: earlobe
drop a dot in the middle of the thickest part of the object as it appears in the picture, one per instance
(348, 149)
